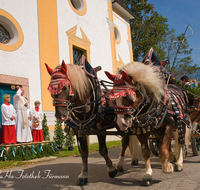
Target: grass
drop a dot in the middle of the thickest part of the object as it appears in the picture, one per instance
(64, 153)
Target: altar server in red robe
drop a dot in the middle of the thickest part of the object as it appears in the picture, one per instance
(36, 118)
(8, 115)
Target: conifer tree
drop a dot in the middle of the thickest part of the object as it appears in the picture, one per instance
(58, 134)
(45, 129)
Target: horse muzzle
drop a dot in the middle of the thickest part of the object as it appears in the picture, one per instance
(123, 125)
(63, 118)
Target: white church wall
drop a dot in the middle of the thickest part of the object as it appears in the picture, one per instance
(94, 25)
(122, 48)
(24, 62)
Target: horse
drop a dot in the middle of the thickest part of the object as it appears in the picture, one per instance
(195, 119)
(145, 106)
(78, 103)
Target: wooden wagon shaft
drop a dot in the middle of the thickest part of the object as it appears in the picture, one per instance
(195, 135)
(95, 132)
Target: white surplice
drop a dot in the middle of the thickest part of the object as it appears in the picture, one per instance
(37, 114)
(23, 130)
(7, 111)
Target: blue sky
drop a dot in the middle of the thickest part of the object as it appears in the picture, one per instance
(179, 14)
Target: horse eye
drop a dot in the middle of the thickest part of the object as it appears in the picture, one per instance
(64, 88)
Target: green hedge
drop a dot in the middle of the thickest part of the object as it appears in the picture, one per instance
(29, 152)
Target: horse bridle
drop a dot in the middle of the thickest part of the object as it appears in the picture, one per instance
(121, 110)
(61, 102)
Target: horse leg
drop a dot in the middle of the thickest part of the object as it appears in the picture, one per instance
(172, 157)
(120, 163)
(180, 152)
(146, 153)
(133, 146)
(83, 177)
(179, 163)
(112, 171)
(167, 167)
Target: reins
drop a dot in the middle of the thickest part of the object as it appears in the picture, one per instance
(192, 94)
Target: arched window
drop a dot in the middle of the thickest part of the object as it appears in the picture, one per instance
(4, 35)
(78, 6)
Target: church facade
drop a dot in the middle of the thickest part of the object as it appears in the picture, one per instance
(48, 31)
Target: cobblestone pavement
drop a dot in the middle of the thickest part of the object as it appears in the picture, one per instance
(43, 175)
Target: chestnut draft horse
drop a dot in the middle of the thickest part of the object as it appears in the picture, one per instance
(145, 106)
(78, 104)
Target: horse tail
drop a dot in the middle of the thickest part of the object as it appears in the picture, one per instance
(132, 149)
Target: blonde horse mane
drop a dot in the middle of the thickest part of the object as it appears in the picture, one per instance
(79, 81)
(149, 80)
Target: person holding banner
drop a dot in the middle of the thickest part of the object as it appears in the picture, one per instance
(23, 130)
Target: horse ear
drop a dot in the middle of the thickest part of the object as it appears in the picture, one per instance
(50, 71)
(125, 76)
(110, 76)
(64, 67)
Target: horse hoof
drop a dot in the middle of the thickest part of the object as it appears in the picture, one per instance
(134, 162)
(147, 180)
(82, 181)
(120, 169)
(178, 168)
(113, 173)
(172, 160)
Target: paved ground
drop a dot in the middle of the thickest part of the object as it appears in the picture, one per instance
(42, 173)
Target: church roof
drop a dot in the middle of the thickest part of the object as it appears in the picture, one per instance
(121, 9)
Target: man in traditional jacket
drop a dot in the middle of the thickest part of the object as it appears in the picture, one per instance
(23, 130)
(8, 115)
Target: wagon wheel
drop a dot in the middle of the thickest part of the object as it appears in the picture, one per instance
(195, 140)
(154, 145)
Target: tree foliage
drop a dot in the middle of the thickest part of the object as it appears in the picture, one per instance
(45, 128)
(151, 29)
(148, 29)
(58, 134)
(179, 54)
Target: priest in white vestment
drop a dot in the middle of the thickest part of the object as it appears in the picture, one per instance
(23, 130)
(8, 115)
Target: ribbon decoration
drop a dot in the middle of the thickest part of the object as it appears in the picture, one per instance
(13, 151)
(2, 151)
(34, 152)
(41, 149)
(52, 147)
(22, 149)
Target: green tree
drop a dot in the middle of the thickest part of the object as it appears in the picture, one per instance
(70, 140)
(45, 128)
(58, 134)
(148, 29)
(183, 60)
